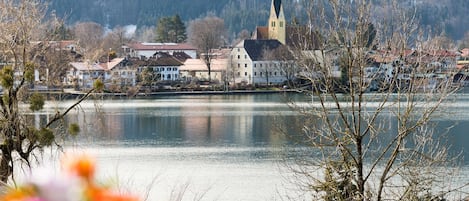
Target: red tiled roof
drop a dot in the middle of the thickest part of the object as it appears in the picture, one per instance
(443, 53)
(262, 33)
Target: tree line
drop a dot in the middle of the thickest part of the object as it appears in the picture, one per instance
(440, 17)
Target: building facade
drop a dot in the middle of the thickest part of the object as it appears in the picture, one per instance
(253, 63)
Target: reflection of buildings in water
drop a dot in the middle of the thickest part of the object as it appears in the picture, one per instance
(201, 124)
(98, 124)
(243, 127)
(226, 122)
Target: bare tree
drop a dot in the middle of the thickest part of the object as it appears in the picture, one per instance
(21, 141)
(145, 34)
(369, 146)
(206, 34)
(242, 35)
(282, 64)
(90, 38)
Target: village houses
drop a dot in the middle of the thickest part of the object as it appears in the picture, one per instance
(265, 59)
(115, 72)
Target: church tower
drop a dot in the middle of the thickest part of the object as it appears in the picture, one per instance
(277, 23)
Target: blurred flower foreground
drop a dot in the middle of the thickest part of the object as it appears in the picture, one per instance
(75, 183)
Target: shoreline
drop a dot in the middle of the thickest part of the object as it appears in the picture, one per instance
(67, 95)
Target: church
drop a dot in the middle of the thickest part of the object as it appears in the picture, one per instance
(254, 62)
(276, 28)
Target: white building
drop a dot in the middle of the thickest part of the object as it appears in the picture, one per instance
(163, 65)
(250, 63)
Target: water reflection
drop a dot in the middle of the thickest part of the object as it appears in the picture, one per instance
(227, 144)
(220, 120)
(247, 120)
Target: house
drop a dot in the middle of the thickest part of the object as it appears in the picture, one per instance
(266, 58)
(83, 74)
(147, 50)
(252, 62)
(119, 73)
(196, 69)
(162, 65)
(116, 72)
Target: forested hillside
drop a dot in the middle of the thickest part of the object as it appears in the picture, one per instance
(238, 14)
(443, 16)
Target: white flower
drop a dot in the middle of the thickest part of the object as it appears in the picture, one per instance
(53, 187)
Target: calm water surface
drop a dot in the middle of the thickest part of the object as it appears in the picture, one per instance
(218, 147)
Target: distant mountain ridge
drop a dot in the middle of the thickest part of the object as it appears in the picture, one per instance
(442, 16)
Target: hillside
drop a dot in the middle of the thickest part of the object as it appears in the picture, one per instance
(442, 16)
(238, 15)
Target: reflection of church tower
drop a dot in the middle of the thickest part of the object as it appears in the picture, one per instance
(277, 24)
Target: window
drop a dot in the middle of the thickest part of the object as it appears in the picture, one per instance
(168, 69)
(245, 73)
(239, 65)
(255, 73)
(245, 65)
(239, 57)
(239, 74)
(281, 23)
(261, 74)
(245, 56)
(168, 76)
(261, 65)
(273, 23)
(255, 65)
(275, 73)
(238, 49)
(175, 69)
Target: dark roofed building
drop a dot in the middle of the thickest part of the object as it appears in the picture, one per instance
(256, 62)
(163, 64)
(256, 48)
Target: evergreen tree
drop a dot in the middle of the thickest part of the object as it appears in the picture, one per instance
(171, 29)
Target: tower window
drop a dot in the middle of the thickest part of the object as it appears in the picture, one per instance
(281, 23)
(273, 23)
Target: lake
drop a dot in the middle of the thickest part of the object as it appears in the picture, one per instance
(214, 147)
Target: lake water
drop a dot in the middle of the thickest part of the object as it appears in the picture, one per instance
(214, 147)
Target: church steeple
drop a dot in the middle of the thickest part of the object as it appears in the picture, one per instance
(277, 5)
(277, 23)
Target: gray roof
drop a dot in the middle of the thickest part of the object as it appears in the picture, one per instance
(277, 5)
(256, 48)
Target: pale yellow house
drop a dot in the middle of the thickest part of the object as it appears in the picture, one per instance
(196, 69)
